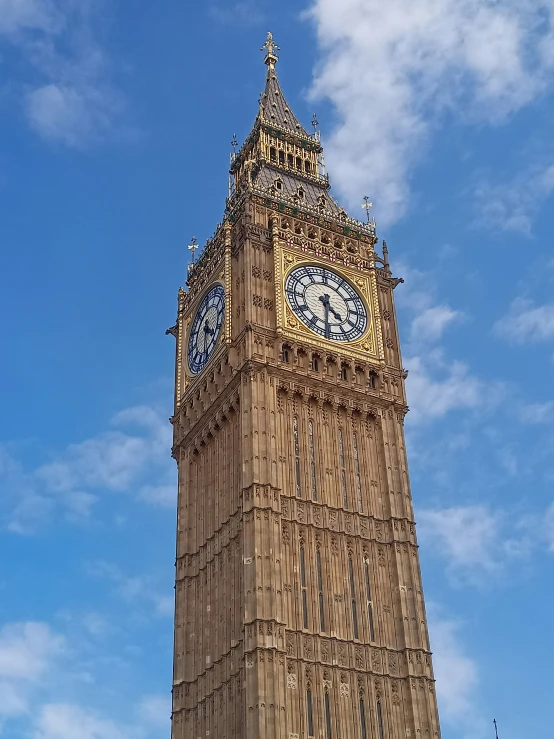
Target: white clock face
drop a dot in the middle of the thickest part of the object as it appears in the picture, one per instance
(326, 303)
(205, 329)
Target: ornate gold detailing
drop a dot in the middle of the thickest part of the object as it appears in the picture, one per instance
(289, 254)
(271, 47)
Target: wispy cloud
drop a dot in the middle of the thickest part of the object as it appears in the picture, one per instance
(131, 457)
(21, 15)
(477, 543)
(67, 721)
(244, 12)
(75, 104)
(430, 324)
(537, 413)
(513, 205)
(155, 710)
(527, 322)
(27, 653)
(471, 554)
(138, 588)
(457, 676)
(391, 69)
(37, 665)
(436, 386)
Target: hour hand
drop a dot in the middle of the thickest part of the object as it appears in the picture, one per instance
(335, 313)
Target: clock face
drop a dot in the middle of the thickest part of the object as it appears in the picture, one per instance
(326, 303)
(205, 329)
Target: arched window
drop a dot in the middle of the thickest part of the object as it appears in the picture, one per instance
(312, 458)
(299, 163)
(310, 712)
(328, 715)
(272, 154)
(342, 470)
(362, 718)
(357, 471)
(296, 456)
(353, 598)
(380, 720)
(369, 601)
(281, 157)
(320, 592)
(303, 588)
(307, 166)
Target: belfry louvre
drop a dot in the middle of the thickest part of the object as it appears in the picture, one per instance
(299, 604)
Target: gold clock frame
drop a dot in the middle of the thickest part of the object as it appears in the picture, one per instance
(370, 344)
(224, 333)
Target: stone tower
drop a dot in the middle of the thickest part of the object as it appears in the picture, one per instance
(299, 605)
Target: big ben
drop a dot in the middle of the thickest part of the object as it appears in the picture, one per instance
(299, 605)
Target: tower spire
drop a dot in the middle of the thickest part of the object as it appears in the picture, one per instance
(274, 108)
(271, 57)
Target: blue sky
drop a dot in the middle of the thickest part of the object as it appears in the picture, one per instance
(115, 130)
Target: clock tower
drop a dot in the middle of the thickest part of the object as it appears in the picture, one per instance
(299, 605)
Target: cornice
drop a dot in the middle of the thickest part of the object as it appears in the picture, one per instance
(357, 526)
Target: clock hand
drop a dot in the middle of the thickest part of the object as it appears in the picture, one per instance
(334, 312)
(325, 300)
(207, 330)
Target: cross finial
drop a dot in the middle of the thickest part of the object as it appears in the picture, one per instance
(234, 143)
(271, 47)
(367, 206)
(193, 246)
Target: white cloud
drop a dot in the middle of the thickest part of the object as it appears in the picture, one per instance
(435, 387)
(467, 537)
(457, 677)
(18, 15)
(527, 322)
(115, 460)
(430, 324)
(72, 115)
(392, 68)
(28, 652)
(548, 523)
(244, 12)
(164, 496)
(75, 103)
(512, 206)
(155, 710)
(62, 721)
(138, 588)
(536, 413)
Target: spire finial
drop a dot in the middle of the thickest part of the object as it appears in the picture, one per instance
(315, 124)
(193, 246)
(367, 206)
(495, 728)
(271, 57)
